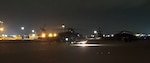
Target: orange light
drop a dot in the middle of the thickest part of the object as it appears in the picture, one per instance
(1, 29)
(50, 35)
(55, 35)
(43, 35)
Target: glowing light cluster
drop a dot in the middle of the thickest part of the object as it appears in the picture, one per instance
(52, 35)
(140, 35)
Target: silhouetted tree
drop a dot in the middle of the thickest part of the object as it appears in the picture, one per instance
(125, 36)
(100, 32)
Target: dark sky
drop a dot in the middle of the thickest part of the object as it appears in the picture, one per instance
(83, 15)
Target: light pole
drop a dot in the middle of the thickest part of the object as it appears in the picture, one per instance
(22, 28)
(33, 34)
(1, 26)
(1, 22)
(95, 33)
(63, 26)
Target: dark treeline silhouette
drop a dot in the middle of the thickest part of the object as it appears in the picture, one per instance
(70, 34)
(126, 36)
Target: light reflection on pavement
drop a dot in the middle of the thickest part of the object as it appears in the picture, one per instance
(95, 45)
(52, 52)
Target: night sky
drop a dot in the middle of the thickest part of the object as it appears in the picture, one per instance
(83, 15)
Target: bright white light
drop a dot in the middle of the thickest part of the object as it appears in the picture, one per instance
(66, 39)
(63, 26)
(1, 22)
(103, 35)
(14, 35)
(83, 45)
(95, 32)
(142, 35)
(92, 45)
(78, 35)
(137, 35)
(107, 35)
(148, 34)
(112, 35)
(33, 31)
(22, 28)
(92, 36)
(33, 35)
(5, 35)
(82, 42)
(72, 42)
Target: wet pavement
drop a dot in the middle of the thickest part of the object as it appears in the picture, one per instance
(55, 52)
